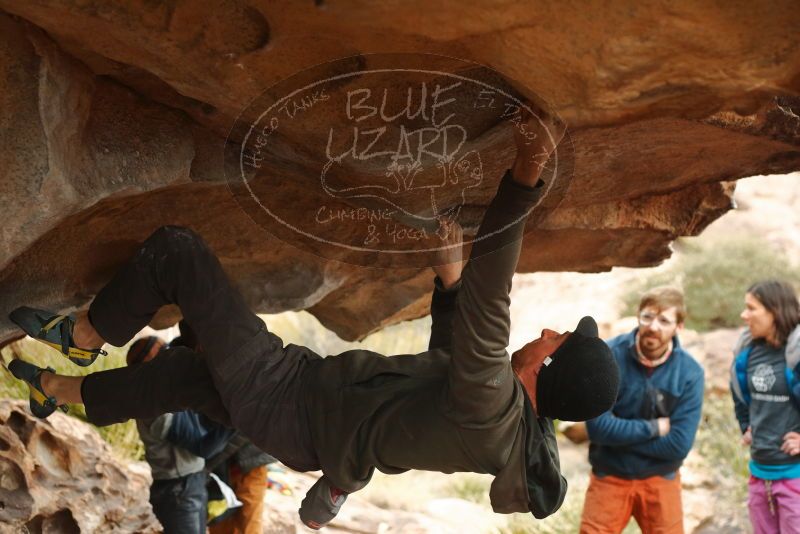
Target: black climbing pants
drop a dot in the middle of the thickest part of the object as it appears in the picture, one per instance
(241, 375)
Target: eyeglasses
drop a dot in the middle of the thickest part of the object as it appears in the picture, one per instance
(647, 318)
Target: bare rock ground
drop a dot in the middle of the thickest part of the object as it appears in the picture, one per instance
(59, 476)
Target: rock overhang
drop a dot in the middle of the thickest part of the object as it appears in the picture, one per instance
(117, 117)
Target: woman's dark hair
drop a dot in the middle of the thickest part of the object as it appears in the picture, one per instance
(780, 300)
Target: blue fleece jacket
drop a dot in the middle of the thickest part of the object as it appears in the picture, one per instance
(198, 434)
(624, 440)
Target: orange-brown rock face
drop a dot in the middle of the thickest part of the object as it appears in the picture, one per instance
(119, 117)
(60, 476)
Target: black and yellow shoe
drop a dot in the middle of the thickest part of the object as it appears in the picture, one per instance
(56, 331)
(41, 405)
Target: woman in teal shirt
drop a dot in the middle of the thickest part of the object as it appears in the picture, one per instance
(765, 382)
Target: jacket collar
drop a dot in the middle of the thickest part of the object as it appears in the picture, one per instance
(792, 346)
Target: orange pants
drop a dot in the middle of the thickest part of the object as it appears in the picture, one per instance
(250, 488)
(654, 502)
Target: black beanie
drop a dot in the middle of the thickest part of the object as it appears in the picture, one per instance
(579, 381)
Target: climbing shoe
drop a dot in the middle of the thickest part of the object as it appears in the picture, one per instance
(41, 405)
(321, 504)
(56, 331)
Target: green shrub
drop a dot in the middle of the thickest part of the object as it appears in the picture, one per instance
(714, 277)
(409, 337)
(719, 440)
(719, 443)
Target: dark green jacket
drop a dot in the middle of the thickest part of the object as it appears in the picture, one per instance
(459, 408)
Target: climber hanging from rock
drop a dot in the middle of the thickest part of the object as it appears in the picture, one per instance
(460, 406)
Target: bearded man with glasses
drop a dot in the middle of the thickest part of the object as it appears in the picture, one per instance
(638, 446)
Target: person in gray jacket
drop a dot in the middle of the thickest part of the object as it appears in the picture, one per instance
(241, 465)
(178, 493)
(461, 408)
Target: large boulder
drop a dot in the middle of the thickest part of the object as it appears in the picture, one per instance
(58, 475)
(121, 117)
